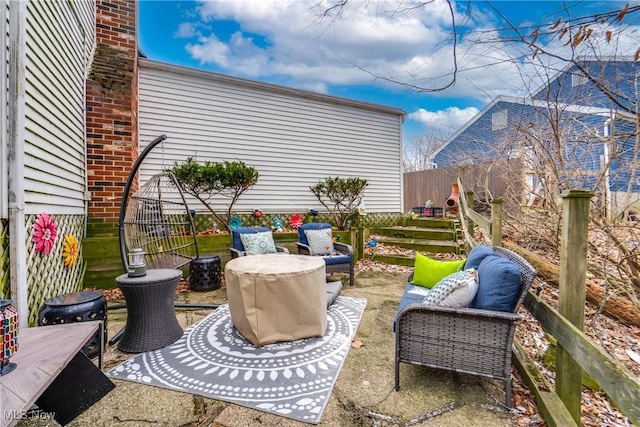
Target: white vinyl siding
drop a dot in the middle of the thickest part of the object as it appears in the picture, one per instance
(4, 87)
(60, 42)
(293, 138)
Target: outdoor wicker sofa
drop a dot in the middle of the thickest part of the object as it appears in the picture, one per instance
(466, 340)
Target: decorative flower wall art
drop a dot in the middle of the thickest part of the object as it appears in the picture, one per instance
(70, 250)
(45, 232)
(235, 222)
(296, 221)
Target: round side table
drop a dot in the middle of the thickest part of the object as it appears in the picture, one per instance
(80, 306)
(204, 273)
(151, 318)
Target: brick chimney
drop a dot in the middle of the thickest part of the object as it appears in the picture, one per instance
(112, 113)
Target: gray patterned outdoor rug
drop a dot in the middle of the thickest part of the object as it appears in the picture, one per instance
(212, 359)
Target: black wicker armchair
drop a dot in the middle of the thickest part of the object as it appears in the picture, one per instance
(466, 340)
(342, 262)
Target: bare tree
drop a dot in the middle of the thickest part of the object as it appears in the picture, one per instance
(561, 147)
(570, 145)
(410, 80)
(418, 155)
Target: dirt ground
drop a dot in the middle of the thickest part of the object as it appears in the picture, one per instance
(363, 395)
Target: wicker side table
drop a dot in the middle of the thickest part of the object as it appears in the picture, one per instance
(151, 319)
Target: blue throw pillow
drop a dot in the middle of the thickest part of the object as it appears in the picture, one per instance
(499, 282)
(476, 256)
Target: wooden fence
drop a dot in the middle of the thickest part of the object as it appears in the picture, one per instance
(576, 353)
(486, 180)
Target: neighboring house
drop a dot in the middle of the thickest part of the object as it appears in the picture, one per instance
(42, 145)
(294, 138)
(595, 130)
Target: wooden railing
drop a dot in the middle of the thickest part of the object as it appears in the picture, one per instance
(576, 353)
(491, 228)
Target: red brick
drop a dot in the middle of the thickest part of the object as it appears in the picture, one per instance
(112, 116)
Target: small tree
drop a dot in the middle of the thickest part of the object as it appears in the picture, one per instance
(204, 181)
(341, 196)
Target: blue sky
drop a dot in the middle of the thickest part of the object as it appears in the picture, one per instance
(288, 42)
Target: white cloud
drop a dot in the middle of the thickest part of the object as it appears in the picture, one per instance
(300, 45)
(443, 122)
(210, 50)
(289, 40)
(187, 30)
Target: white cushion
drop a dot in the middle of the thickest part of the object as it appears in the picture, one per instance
(456, 290)
(320, 241)
(258, 243)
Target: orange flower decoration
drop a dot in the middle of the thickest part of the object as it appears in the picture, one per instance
(70, 250)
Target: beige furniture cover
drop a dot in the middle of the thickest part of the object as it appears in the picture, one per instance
(277, 297)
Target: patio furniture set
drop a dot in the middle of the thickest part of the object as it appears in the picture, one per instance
(273, 296)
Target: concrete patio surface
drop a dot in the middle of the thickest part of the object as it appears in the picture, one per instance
(363, 395)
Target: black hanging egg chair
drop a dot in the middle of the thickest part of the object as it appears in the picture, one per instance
(157, 219)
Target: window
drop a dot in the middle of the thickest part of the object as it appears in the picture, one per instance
(499, 120)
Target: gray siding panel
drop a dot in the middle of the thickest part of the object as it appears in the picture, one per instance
(293, 138)
(60, 42)
(4, 105)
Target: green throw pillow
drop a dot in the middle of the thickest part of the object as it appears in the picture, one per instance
(428, 272)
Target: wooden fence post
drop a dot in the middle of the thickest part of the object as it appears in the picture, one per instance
(353, 241)
(496, 222)
(359, 251)
(572, 292)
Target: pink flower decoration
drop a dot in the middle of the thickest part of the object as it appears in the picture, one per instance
(295, 221)
(45, 233)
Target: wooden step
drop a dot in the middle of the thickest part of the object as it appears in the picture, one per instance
(408, 261)
(437, 222)
(405, 260)
(417, 233)
(423, 245)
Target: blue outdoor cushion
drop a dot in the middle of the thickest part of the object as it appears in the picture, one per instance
(477, 254)
(499, 283)
(302, 237)
(236, 240)
(408, 298)
(336, 259)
